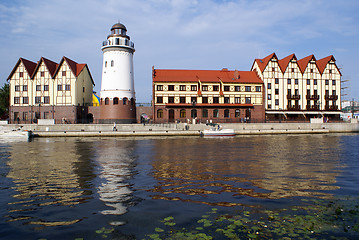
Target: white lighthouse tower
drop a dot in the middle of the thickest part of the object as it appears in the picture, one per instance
(117, 86)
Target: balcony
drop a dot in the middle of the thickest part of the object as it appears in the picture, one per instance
(120, 43)
(312, 108)
(293, 107)
(293, 97)
(331, 97)
(331, 108)
(312, 97)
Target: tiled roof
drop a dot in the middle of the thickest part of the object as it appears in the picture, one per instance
(322, 63)
(205, 76)
(303, 63)
(29, 67)
(50, 65)
(283, 63)
(262, 63)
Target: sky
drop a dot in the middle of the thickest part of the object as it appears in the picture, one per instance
(182, 34)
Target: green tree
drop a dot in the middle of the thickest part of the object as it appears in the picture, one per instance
(4, 101)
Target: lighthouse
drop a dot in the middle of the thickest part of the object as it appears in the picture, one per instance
(117, 85)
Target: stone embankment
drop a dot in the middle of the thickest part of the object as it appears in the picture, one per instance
(125, 130)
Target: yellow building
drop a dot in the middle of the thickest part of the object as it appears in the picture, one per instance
(48, 90)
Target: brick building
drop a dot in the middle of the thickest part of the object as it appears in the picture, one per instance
(207, 95)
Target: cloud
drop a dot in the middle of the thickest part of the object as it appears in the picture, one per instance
(202, 34)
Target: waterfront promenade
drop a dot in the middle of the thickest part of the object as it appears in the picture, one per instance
(172, 129)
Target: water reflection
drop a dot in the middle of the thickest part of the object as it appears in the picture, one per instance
(117, 163)
(51, 173)
(199, 170)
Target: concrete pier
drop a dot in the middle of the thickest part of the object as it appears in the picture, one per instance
(129, 130)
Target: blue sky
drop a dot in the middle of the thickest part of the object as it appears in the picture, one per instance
(182, 34)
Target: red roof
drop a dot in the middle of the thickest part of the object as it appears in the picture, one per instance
(262, 63)
(50, 65)
(303, 63)
(205, 76)
(29, 67)
(283, 63)
(322, 63)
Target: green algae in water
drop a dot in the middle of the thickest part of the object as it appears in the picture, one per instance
(315, 219)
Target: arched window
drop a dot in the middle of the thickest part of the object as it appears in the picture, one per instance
(238, 113)
(112, 63)
(183, 113)
(107, 101)
(205, 113)
(215, 113)
(124, 101)
(226, 113)
(115, 101)
(194, 113)
(159, 113)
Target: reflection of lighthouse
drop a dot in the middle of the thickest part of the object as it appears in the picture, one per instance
(117, 86)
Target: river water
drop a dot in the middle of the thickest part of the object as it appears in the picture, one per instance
(180, 187)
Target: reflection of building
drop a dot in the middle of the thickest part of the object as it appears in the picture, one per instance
(220, 96)
(116, 164)
(49, 90)
(300, 89)
(117, 86)
(205, 171)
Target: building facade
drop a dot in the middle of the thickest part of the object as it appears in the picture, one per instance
(207, 95)
(49, 90)
(300, 89)
(117, 87)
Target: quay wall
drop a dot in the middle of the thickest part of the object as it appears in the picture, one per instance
(96, 130)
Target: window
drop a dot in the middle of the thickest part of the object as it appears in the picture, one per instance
(193, 88)
(16, 116)
(59, 87)
(315, 81)
(308, 92)
(37, 99)
(204, 87)
(276, 91)
(171, 100)
(273, 69)
(46, 115)
(215, 113)
(17, 88)
(237, 100)
(42, 74)
(296, 82)
(215, 88)
(182, 87)
(247, 88)
(83, 89)
(159, 87)
(24, 88)
(276, 81)
(237, 88)
(67, 87)
(226, 113)
(248, 100)
(308, 81)
(25, 116)
(269, 96)
(124, 101)
(326, 82)
(226, 88)
(226, 99)
(289, 81)
(258, 89)
(115, 101)
(277, 102)
(159, 99)
(64, 73)
(17, 100)
(269, 85)
(237, 113)
(333, 82)
(182, 113)
(289, 92)
(315, 92)
(204, 99)
(38, 87)
(47, 99)
(107, 101)
(182, 99)
(292, 70)
(112, 63)
(25, 100)
(205, 113)
(311, 70)
(193, 99)
(46, 88)
(171, 87)
(330, 70)
(215, 99)
(334, 92)
(159, 113)
(105, 63)
(21, 74)
(269, 106)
